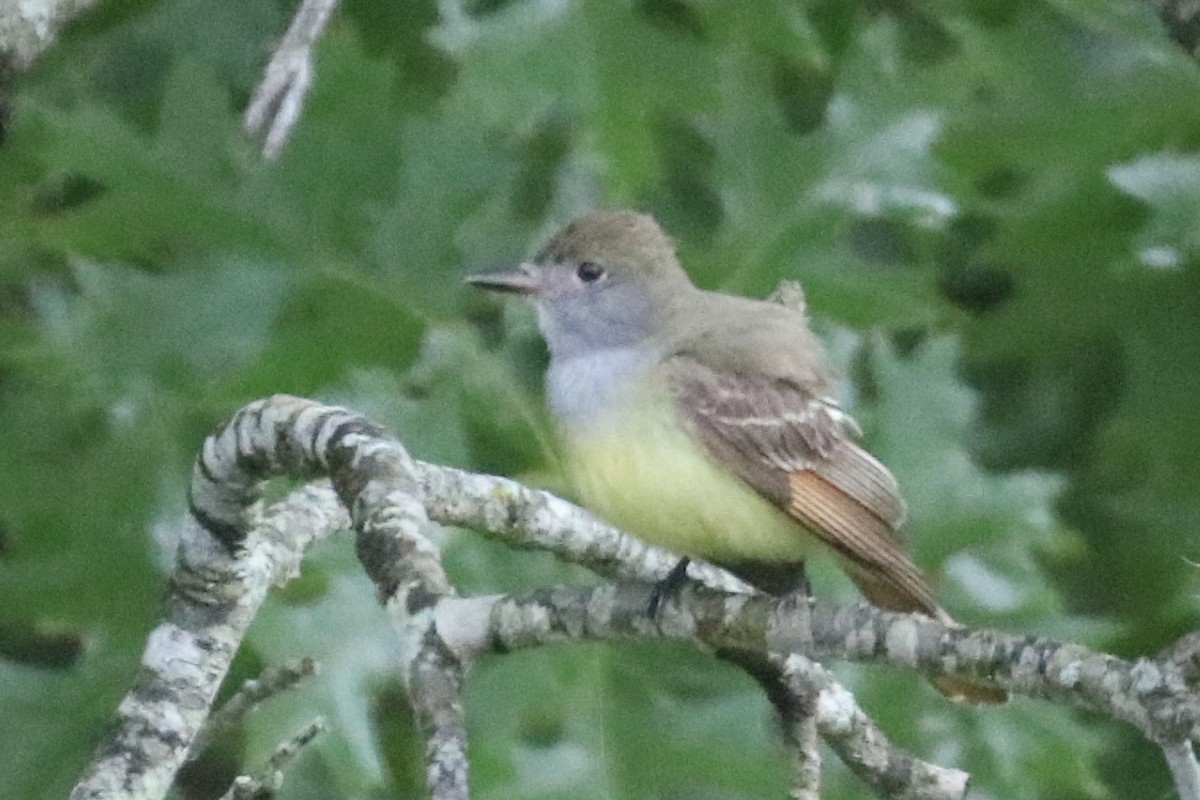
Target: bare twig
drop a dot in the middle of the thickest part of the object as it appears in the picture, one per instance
(213, 599)
(529, 518)
(265, 783)
(272, 681)
(801, 734)
(27, 29)
(1185, 652)
(279, 98)
(864, 748)
(1181, 759)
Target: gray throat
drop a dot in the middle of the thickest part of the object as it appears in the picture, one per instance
(585, 387)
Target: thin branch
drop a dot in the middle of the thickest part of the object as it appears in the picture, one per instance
(1064, 672)
(229, 556)
(374, 477)
(213, 598)
(277, 102)
(864, 748)
(794, 699)
(1185, 652)
(390, 516)
(272, 681)
(267, 781)
(533, 519)
(801, 731)
(228, 560)
(1181, 760)
(478, 625)
(29, 28)
(530, 518)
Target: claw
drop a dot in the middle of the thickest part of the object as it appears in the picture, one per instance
(669, 586)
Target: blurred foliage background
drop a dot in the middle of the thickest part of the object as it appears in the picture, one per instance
(992, 206)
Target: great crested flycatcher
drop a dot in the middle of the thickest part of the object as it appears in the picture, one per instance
(706, 423)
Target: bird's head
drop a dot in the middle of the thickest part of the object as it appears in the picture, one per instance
(606, 280)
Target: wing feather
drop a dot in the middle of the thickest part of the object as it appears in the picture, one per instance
(860, 475)
(793, 448)
(754, 423)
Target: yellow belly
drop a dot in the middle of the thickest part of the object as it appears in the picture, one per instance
(646, 476)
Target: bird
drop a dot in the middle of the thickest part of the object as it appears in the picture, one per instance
(708, 423)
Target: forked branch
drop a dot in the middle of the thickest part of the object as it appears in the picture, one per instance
(231, 553)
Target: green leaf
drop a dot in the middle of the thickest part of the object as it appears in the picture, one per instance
(1004, 192)
(327, 325)
(982, 534)
(984, 528)
(348, 634)
(150, 196)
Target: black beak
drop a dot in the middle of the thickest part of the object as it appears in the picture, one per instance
(518, 281)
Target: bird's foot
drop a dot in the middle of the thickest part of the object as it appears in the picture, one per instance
(803, 585)
(668, 587)
(796, 607)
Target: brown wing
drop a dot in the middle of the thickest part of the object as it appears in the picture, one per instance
(793, 448)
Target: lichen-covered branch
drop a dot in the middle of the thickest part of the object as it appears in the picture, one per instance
(279, 98)
(1066, 673)
(533, 519)
(231, 553)
(273, 680)
(213, 598)
(1181, 760)
(863, 747)
(1185, 654)
(478, 625)
(228, 560)
(266, 782)
(1148, 694)
(801, 729)
(374, 477)
(1180, 755)
(29, 27)
(526, 517)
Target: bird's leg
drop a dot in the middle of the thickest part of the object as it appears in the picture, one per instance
(803, 584)
(669, 586)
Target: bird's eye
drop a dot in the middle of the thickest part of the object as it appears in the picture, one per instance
(589, 272)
